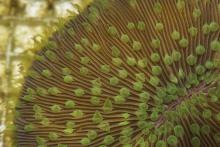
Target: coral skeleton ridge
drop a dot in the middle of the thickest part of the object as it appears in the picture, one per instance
(127, 73)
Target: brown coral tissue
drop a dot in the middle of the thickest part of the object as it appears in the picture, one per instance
(127, 73)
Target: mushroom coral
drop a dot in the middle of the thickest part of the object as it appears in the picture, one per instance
(127, 73)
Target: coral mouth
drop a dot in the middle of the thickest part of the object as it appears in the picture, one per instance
(202, 88)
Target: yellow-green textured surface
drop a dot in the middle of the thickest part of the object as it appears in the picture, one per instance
(21, 23)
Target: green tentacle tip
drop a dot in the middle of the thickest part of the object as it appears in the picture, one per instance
(71, 31)
(85, 41)
(138, 86)
(168, 60)
(68, 131)
(53, 136)
(79, 47)
(155, 57)
(107, 106)
(175, 35)
(45, 122)
(206, 29)
(115, 51)
(109, 139)
(117, 61)
(97, 117)
(77, 113)
(131, 61)
(195, 128)
(87, 26)
(54, 91)
(55, 108)
(140, 77)
(196, 13)
(156, 70)
(70, 104)
(41, 91)
(215, 45)
(28, 98)
(161, 143)
(96, 47)
(193, 31)
(141, 26)
(154, 81)
(172, 140)
(92, 134)
(159, 26)
(61, 145)
(125, 115)
(70, 124)
(184, 43)
(122, 73)
(68, 79)
(112, 30)
(85, 60)
(154, 116)
(95, 100)
(104, 126)
(195, 141)
(207, 114)
(132, 3)
(124, 38)
(142, 63)
(119, 99)
(40, 58)
(209, 64)
(46, 73)
(33, 74)
(176, 55)
(97, 91)
(200, 70)
(29, 128)
(173, 78)
(217, 138)
(200, 49)
(131, 25)
(152, 138)
(191, 60)
(79, 92)
(113, 81)
(136, 46)
(93, 15)
(69, 55)
(218, 117)
(205, 129)
(155, 43)
(66, 71)
(180, 4)
(178, 131)
(214, 26)
(51, 55)
(105, 68)
(181, 73)
(157, 8)
(96, 82)
(85, 141)
(40, 141)
(125, 92)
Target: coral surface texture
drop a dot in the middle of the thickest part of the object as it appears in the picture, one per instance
(127, 73)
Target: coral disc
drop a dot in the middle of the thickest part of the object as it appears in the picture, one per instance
(127, 73)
